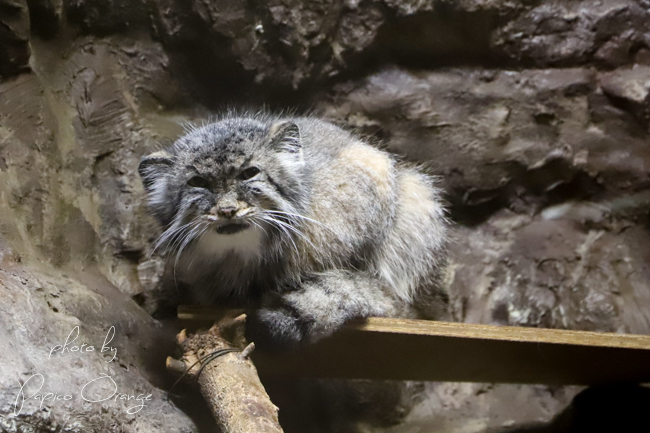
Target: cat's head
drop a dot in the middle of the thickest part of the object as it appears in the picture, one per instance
(226, 178)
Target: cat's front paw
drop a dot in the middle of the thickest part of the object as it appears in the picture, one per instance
(276, 329)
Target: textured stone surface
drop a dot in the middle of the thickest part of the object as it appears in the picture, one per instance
(70, 241)
(46, 305)
(534, 114)
(607, 33)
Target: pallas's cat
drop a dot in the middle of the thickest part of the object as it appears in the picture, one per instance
(301, 219)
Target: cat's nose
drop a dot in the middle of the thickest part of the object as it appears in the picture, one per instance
(227, 211)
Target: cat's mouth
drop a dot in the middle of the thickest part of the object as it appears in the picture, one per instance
(231, 228)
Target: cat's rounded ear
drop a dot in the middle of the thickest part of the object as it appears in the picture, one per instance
(153, 166)
(285, 136)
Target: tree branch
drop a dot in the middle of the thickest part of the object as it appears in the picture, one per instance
(229, 382)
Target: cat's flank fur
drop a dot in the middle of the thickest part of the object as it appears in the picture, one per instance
(300, 218)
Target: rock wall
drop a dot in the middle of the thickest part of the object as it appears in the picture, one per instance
(535, 114)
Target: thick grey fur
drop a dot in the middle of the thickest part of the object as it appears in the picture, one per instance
(337, 229)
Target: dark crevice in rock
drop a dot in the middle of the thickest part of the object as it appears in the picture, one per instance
(599, 409)
(131, 255)
(203, 60)
(437, 39)
(473, 214)
(447, 37)
(106, 17)
(614, 111)
(44, 18)
(215, 80)
(640, 113)
(14, 33)
(528, 191)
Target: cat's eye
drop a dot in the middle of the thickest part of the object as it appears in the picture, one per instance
(249, 173)
(198, 182)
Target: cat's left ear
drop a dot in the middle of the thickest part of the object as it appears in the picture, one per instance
(285, 136)
(153, 167)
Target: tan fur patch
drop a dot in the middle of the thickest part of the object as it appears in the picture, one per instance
(410, 249)
(159, 154)
(376, 164)
(415, 193)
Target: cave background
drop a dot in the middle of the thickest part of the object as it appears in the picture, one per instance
(535, 114)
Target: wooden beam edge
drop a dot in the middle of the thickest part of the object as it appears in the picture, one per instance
(464, 330)
(502, 333)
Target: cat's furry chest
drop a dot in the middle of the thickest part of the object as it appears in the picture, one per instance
(246, 245)
(220, 267)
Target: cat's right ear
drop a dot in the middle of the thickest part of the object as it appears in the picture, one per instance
(153, 166)
(285, 136)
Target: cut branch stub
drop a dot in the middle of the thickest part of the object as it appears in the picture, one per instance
(229, 383)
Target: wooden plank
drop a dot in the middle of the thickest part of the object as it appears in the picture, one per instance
(201, 313)
(382, 348)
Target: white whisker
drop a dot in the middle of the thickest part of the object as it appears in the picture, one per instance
(190, 235)
(274, 221)
(299, 216)
(296, 231)
(168, 235)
